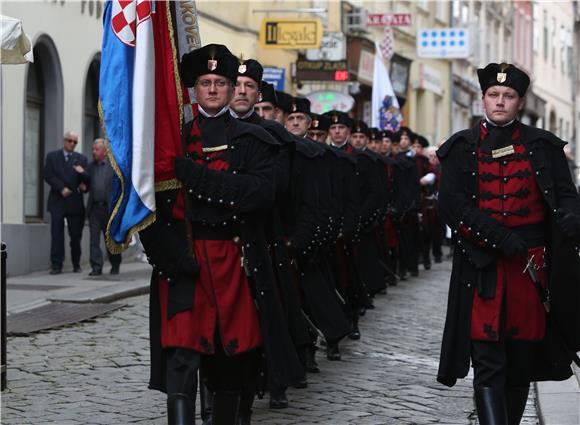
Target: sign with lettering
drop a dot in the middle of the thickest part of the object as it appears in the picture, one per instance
(290, 33)
(321, 70)
(332, 48)
(389, 19)
(275, 76)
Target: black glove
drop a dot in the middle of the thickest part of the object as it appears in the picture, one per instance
(512, 245)
(186, 169)
(569, 223)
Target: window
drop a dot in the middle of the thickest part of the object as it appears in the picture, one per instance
(91, 125)
(34, 141)
(536, 29)
(546, 37)
(456, 12)
(554, 41)
(440, 7)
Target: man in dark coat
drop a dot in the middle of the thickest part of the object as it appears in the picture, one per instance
(249, 90)
(65, 172)
(99, 207)
(213, 302)
(513, 298)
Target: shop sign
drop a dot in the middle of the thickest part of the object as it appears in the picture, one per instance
(290, 33)
(274, 76)
(443, 43)
(366, 67)
(430, 79)
(325, 100)
(332, 48)
(389, 19)
(321, 70)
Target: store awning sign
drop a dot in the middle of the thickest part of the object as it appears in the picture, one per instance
(290, 33)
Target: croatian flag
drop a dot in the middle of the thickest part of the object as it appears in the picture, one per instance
(127, 98)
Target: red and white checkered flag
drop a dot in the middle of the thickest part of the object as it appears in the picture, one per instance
(387, 45)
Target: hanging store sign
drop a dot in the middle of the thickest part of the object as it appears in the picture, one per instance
(321, 70)
(443, 43)
(332, 48)
(290, 33)
(389, 19)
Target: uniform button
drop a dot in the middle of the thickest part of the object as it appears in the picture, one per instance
(208, 199)
(190, 191)
(537, 173)
(485, 240)
(473, 173)
(247, 245)
(280, 264)
(234, 172)
(207, 158)
(225, 223)
(546, 191)
(262, 293)
(473, 196)
(232, 203)
(169, 201)
(504, 162)
(531, 153)
(505, 179)
(199, 196)
(221, 201)
(168, 279)
(554, 210)
(234, 217)
(473, 153)
(256, 271)
(493, 245)
(504, 214)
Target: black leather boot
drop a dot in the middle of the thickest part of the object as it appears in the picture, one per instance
(278, 399)
(491, 406)
(246, 403)
(225, 408)
(179, 409)
(332, 351)
(206, 403)
(516, 403)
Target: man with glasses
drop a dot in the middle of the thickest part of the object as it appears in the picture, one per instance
(223, 313)
(65, 172)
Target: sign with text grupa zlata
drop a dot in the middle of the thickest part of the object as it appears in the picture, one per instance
(290, 33)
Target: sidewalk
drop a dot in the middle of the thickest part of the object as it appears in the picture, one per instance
(39, 289)
(559, 402)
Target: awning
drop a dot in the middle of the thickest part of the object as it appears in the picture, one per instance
(16, 45)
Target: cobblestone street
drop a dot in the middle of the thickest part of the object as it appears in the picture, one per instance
(96, 372)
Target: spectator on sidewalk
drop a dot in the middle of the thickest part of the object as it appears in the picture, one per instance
(65, 172)
(99, 207)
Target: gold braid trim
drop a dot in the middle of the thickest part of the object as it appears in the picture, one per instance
(214, 149)
(114, 247)
(168, 185)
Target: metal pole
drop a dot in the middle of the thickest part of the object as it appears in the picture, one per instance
(3, 325)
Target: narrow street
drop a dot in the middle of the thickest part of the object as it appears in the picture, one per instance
(96, 372)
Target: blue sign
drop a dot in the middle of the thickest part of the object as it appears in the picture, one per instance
(443, 43)
(275, 76)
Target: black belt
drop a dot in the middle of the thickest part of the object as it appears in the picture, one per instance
(100, 203)
(217, 232)
(533, 234)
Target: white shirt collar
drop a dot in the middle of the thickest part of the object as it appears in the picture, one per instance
(243, 117)
(490, 122)
(220, 113)
(341, 145)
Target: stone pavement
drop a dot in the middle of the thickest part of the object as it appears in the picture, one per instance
(96, 372)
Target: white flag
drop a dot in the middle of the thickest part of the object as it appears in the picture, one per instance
(386, 114)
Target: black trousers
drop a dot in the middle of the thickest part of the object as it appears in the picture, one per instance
(409, 243)
(75, 224)
(98, 219)
(502, 364)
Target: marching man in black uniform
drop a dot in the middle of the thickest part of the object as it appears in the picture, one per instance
(213, 301)
(513, 298)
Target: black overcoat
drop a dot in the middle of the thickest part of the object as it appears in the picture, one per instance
(458, 206)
